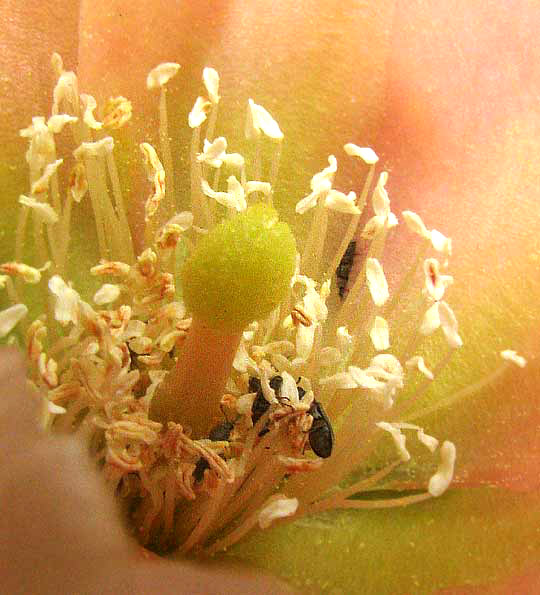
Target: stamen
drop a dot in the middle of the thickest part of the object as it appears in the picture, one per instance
(380, 334)
(378, 504)
(198, 203)
(92, 176)
(10, 317)
(321, 184)
(439, 483)
(465, 392)
(164, 140)
(211, 82)
(353, 225)
(124, 230)
(274, 169)
(381, 205)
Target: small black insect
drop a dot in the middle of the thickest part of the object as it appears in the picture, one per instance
(321, 434)
(218, 433)
(344, 268)
(260, 404)
(200, 467)
(221, 432)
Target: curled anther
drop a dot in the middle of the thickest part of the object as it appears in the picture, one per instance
(300, 316)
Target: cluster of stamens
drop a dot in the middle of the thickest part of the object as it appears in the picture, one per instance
(312, 387)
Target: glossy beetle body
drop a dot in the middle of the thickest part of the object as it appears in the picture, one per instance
(260, 405)
(344, 268)
(321, 434)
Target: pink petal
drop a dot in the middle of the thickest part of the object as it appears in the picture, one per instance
(460, 139)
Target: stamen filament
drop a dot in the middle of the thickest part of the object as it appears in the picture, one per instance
(124, 230)
(21, 232)
(170, 194)
(93, 190)
(111, 224)
(311, 256)
(65, 233)
(407, 404)
(233, 536)
(208, 514)
(358, 294)
(401, 291)
(55, 193)
(212, 118)
(461, 394)
(374, 504)
(359, 486)
(274, 169)
(199, 206)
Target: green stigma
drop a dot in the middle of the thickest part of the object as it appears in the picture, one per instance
(241, 270)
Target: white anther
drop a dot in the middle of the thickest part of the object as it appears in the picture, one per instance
(415, 224)
(213, 152)
(431, 321)
(100, 148)
(277, 507)
(441, 243)
(42, 184)
(259, 120)
(365, 153)
(161, 74)
(398, 437)
(234, 160)
(449, 325)
(380, 334)
(89, 105)
(435, 284)
(439, 482)
(66, 308)
(418, 362)
(235, 190)
(42, 209)
(376, 282)
(198, 112)
(106, 294)
(512, 356)
(343, 203)
(211, 82)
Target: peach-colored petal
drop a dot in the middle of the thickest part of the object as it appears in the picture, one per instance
(461, 141)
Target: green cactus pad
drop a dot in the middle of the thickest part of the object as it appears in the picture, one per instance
(241, 270)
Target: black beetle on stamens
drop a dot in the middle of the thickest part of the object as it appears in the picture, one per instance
(344, 268)
(221, 432)
(321, 434)
(200, 467)
(260, 404)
